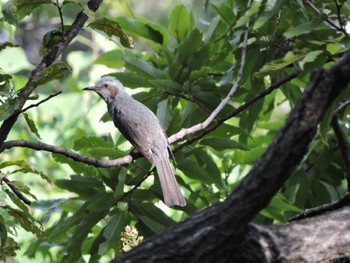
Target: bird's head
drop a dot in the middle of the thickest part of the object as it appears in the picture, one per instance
(108, 88)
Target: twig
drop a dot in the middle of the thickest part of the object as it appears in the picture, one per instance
(68, 153)
(59, 7)
(203, 125)
(313, 7)
(343, 144)
(338, 6)
(47, 60)
(238, 110)
(42, 101)
(16, 191)
(322, 209)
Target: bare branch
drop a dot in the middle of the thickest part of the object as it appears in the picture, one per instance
(47, 60)
(239, 109)
(322, 209)
(42, 101)
(339, 28)
(212, 116)
(16, 191)
(68, 153)
(59, 7)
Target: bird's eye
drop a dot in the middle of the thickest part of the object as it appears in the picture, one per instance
(106, 85)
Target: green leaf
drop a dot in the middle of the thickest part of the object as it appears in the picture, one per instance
(25, 221)
(144, 69)
(112, 28)
(206, 161)
(31, 125)
(82, 185)
(144, 28)
(9, 11)
(165, 85)
(181, 22)
(132, 79)
(25, 7)
(8, 108)
(153, 217)
(188, 46)
(112, 232)
(164, 113)
(254, 8)
(268, 14)
(23, 188)
(225, 11)
(221, 144)
(119, 190)
(194, 171)
(281, 63)
(91, 142)
(84, 227)
(304, 28)
(25, 168)
(310, 57)
(58, 70)
(111, 59)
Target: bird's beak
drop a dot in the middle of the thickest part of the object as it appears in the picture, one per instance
(90, 88)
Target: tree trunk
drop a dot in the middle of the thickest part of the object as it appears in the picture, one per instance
(222, 233)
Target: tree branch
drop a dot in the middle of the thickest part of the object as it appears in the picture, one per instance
(224, 226)
(203, 125)
(128, 159)
(315, 211)
(39, 146)
(47, 60)
(238, 110)
(16, 191)
(41, 102)
(341, 29)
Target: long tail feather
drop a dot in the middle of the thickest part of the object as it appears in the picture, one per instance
(171, 191)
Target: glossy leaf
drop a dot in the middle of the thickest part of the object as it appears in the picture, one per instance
(55, 71)
(181, 22)
(112, 28)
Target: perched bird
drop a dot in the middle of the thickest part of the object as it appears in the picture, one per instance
(143, 130)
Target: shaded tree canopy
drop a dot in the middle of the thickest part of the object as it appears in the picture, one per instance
(253, 95)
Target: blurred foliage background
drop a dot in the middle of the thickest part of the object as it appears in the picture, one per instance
(185, 61)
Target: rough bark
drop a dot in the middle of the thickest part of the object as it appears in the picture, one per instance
(215, 234)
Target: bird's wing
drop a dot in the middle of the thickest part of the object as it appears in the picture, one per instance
(135, 132)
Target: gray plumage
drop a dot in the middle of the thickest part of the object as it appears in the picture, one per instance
(143, 130)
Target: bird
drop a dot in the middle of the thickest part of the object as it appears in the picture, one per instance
(140, 126)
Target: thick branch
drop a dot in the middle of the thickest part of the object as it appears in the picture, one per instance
(223, 226)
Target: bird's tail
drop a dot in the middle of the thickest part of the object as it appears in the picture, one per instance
(171, 190)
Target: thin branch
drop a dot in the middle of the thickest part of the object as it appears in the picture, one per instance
(59, 7)
(343, 144)
(42, 101)
(47, 60)
(338, 6)
(16, 191)
(313, 7)
(345, 200)
(212, 116)
(68, 153)
(238, 110)
(133, 156)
